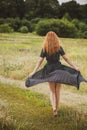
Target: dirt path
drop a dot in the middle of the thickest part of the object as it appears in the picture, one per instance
(68, 98)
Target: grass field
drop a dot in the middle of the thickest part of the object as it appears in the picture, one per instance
(20, 52)
(27, 110)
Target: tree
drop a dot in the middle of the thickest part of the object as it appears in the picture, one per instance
(42, 8)
(20, 6)
(83, 12)
(12, 8)
(72, 8)
(8, 8)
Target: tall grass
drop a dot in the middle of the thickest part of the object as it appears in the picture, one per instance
(20, 52)
(27, 110)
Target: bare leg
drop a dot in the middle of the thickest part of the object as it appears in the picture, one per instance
(58, 88)
(53, 96)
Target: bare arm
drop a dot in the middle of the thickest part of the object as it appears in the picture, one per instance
(37, 66)
(69, 62)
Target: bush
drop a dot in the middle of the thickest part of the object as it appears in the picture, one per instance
(82, 28)
(2, 20)
(5, 28)
(17, 23)
(34, 23)
(76, 23)
(85, 34)
(23, 29)
(14, 23)
(63, 28)
(66, 16)
(43, 27)
(67, 29)
(28, 24)
(36, 20)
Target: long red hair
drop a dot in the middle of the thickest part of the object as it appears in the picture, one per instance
(51, 43)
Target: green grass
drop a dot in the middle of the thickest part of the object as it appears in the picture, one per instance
(27, 110)
(20, 52)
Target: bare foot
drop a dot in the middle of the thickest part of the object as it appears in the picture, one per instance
(55, 113)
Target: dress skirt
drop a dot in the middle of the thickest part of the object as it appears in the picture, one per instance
(57, 73)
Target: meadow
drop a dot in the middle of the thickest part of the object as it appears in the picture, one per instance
(24, 109)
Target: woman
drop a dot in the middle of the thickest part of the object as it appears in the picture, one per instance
(54, 72)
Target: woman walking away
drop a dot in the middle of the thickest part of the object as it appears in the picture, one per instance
(54, 72)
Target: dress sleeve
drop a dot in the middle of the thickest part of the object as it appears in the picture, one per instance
(42, 54)
(62, 52)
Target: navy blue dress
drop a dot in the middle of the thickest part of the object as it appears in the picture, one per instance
(54, 71)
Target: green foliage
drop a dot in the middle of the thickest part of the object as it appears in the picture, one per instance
(43, 27)
(5, 28)
(83, 14)
(67, 29)
(2, 20)
(12, 8)
(63, 27)
(76, 23)
(35, 20)
(28, 24)
(41, 8)
(24, 29)
(31, 9)
(67, 16)
(34, 23)
(15, 23)
(72, 8)
(85, 34)
(81, 27)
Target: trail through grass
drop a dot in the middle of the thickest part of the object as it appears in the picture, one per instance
(70, 96)
(27, 110)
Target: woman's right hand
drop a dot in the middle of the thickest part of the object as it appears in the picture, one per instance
(77, 68)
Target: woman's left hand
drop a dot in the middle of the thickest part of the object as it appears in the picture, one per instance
(31, 74)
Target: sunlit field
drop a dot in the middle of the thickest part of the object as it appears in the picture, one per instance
(22, 109)
(20, 52)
